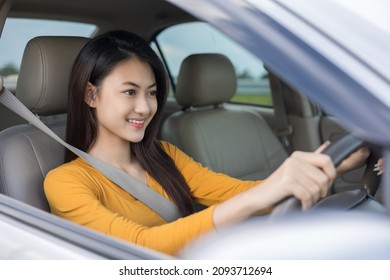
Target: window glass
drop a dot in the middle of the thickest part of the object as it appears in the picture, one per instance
(178, 42)
(17, 32)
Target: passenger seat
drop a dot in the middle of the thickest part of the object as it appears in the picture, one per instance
(26, 153)
(232, 141)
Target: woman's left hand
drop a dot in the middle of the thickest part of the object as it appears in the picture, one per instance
(379, 166)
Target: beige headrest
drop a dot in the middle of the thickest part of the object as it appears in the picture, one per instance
(205, 79)
(44, 73)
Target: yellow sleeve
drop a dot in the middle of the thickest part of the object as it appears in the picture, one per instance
(73, 194)
(207, 186)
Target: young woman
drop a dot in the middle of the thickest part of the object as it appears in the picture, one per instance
(117, 92)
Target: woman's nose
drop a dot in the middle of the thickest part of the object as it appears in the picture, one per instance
(142, 105)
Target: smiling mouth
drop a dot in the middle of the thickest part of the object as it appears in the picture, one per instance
(137, 122)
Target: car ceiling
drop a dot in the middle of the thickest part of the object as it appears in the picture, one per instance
(144, 17)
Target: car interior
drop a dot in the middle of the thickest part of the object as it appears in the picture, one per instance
(202, 117)
(246, 148)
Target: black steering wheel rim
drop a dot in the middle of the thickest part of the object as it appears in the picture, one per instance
(338, 151)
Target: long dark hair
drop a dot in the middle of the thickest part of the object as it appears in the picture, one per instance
(95, 61)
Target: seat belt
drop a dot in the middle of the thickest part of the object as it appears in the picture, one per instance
(283, 129)
(164, 207)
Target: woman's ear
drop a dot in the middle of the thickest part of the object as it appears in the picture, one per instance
(90, 95)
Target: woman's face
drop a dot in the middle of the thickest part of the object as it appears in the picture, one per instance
(125, 102)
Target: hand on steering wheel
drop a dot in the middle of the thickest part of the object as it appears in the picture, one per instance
(338, 151)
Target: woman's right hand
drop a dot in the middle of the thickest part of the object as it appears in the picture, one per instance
(305, 175)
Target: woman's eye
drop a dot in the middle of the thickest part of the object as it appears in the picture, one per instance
(130, 92)
(153, 93)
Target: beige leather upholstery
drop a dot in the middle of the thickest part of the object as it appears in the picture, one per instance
(27, 154)
(7, 117)
(235, 142)
(44, 74)
(205, 79)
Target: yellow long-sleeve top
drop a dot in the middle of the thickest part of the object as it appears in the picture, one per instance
(79, 193)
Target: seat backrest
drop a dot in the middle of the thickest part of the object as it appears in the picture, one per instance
(7, 117)
(233, 141)
(26, 153)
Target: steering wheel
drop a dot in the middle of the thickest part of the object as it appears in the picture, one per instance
(338, 151)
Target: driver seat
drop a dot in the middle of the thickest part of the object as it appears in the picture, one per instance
(237, 142)
(26, 153)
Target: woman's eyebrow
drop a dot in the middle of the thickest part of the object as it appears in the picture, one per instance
(136, 85)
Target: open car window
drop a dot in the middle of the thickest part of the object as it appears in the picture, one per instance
(178, 42)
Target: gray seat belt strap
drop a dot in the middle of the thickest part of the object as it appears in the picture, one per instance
(283, 129)
(164, 207)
